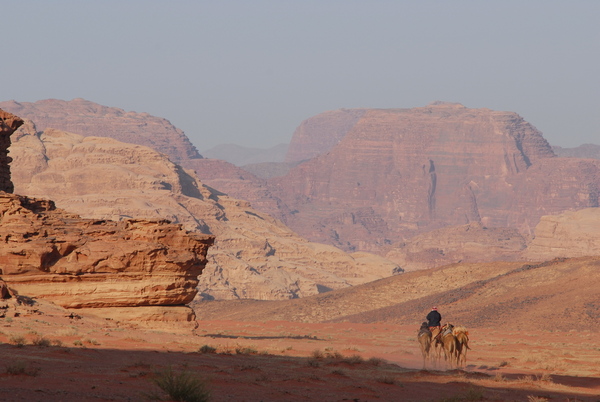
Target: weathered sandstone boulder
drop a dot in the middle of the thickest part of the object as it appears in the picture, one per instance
(570, 234)
(49, 253)
(398, 173)
(254, 256)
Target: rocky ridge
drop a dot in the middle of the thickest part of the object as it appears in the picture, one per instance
(150, 267)
(254, 256)
(397, 173)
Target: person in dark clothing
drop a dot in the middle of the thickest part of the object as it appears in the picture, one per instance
(434, 318)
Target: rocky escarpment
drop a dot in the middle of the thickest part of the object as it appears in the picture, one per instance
(400, 172)
(8, 124)
(56, 255)
(150, 268)
(570, 234)
(582, 151)
(91, 119)
(318, 134)
(254, 256)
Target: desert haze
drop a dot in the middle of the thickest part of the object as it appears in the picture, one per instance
(128, 257)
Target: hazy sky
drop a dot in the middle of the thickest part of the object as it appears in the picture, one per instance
(248, 72)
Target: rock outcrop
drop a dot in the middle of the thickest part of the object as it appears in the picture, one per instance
(254, 256)
(8, 124)
(400, 172)
(570, 234)
(56, 255)
(583, 151)
(91, 119)
(147, 267)
(466, 243)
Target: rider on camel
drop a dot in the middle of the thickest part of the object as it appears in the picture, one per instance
(434, 319)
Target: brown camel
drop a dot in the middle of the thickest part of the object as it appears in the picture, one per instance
(424, 338)
(462, 336)
(449, 345)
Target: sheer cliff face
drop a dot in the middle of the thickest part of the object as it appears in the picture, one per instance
(8, 124)
(400, 172)
(254, 256)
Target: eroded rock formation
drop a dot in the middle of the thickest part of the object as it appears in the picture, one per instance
(8, 124)
(569, 234)
(254, 256)
(56, 255)
(400, 172)
(150, 267)
(91, 119)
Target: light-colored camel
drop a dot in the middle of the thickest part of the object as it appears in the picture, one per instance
(449, 344)
(462, 336)
(424, 337)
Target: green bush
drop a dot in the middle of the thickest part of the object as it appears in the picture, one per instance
(181, 386)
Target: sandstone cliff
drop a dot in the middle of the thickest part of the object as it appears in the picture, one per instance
(400, 172)
(570, 234)
(582, 151)
(8, 124)
(91, 119)
(74, 262)
(254, 256)
(149, 268)
(466, 243)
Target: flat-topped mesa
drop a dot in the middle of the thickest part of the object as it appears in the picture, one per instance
(73, 262)
(9, 123)
(389, 174)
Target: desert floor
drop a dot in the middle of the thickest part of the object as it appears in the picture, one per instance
(47, 356)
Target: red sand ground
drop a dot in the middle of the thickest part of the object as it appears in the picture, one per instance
(99, 360)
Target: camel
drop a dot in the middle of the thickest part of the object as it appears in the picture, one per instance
(449, 344)
(424, 337)
(462, 336)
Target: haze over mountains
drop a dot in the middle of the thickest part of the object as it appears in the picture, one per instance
(423, 187)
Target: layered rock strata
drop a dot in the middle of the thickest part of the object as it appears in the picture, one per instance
(398, 173)
(570, 234)
(56, 255)
(91, 119)
(254, 256)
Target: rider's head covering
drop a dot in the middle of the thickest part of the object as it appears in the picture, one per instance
(434, 308)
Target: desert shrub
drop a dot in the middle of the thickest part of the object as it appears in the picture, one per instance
(386, 379)
(21, 368)
(375, 361)
(317, 354)
(77, 342)
(312, 362)
(18, 340)
(207, 349)
(181, 386)
(57, 342)
(241, 350)
(499, 377)
(354, 359)
(533, 398)
(41, 341)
